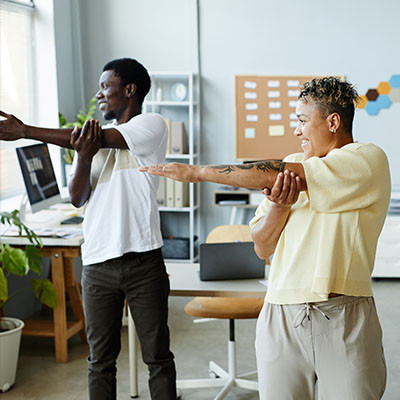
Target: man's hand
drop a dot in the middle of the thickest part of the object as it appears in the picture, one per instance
(285, 191)
(177, 171)
(87, 141)
(11, 128)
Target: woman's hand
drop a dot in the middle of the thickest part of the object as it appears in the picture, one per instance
(177, 171)
(285, 191)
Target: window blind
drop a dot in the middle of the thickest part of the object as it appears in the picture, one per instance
(17, 88)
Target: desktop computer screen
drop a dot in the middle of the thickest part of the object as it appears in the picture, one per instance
(39, 177)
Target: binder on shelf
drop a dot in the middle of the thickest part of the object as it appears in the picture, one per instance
(168, 122)
(161, 192)
(169, 192)
(181, 194)
(179, 142)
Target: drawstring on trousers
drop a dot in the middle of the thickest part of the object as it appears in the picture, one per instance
(305, 312)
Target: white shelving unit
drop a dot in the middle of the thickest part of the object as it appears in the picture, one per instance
(180, 222)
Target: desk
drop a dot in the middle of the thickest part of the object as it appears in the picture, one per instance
(184, 281)
(62, 253)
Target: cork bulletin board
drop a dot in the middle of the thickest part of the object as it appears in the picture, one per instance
(266, 116)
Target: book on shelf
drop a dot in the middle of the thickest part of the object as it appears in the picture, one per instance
(181, 194)
(169, 192)
(161, 192)
(168, 122)
(179, 140)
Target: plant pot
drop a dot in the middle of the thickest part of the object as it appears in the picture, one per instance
(9, 350)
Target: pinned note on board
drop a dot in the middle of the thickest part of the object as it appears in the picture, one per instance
(276, 130)
(252, 117)
(273, 84)
(249, 133)
(250, 95)
(250, 85)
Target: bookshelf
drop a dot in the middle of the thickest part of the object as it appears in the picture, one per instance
(175, 95)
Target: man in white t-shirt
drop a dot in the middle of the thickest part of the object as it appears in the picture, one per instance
(322, 216)
(122, 250)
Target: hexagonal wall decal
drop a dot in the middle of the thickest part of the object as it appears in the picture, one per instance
(386, 93)
(362, 102)
(394, 81)
(372, 94)
(383, 101)
(394, 95)
(383, 88)
(372, 108)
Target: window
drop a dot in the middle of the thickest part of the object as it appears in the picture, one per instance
(17, 91)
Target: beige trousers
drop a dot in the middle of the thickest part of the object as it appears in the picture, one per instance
(337, 343)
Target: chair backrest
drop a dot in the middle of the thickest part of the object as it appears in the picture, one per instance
(229, 233)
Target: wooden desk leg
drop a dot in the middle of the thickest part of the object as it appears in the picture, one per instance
(60, 314)
(74, 294)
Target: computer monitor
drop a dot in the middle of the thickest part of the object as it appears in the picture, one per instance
(39, 177)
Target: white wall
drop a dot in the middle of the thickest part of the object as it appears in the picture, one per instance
(157, 33)
(358, 39)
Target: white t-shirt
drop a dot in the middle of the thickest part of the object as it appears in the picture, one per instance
(121, 215)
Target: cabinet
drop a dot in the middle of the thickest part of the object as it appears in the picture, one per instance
(175, 95)
(387, 261)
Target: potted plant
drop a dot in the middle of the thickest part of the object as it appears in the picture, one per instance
(19, 262)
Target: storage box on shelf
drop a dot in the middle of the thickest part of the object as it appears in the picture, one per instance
(175, 96)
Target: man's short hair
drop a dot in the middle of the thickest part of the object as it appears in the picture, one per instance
(332, 94)
(131, 71)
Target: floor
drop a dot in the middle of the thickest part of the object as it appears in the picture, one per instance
(40, 378)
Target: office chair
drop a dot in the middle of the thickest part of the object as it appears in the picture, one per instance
(225, 308)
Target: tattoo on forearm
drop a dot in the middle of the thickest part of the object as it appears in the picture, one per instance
(267, 165)
(275, 165)
(225, 169)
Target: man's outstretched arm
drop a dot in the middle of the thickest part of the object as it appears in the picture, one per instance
(258, 175)
(11, 128)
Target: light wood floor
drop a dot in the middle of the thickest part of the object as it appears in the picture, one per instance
(40, 378)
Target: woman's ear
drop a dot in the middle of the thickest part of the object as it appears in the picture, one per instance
(130, 90)
(334, 122)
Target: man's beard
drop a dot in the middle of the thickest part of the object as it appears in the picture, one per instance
(109, 116)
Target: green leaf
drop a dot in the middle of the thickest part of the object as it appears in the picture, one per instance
(3, 287)
(34, 257)
(69, 155)
(13, 219)
(62, 120)
(15, 261)
(1, 252)
(45, 292)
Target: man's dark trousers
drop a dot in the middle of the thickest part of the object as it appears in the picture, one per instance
(142, 279)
